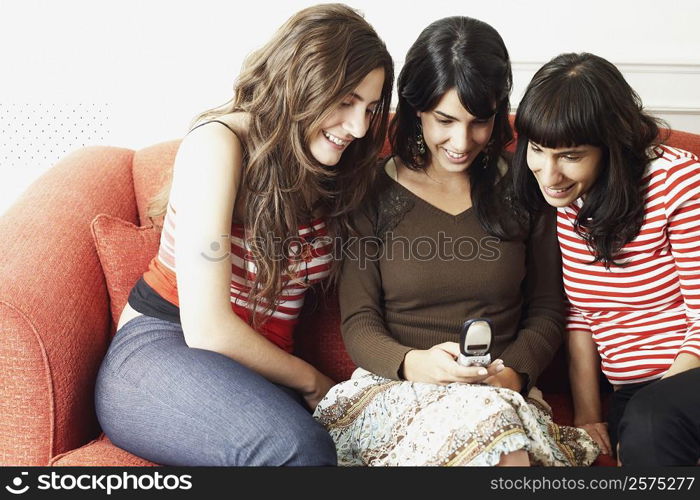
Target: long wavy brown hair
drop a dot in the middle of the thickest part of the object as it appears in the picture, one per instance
(288, 88)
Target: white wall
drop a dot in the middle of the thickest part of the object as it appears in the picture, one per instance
(133, 73)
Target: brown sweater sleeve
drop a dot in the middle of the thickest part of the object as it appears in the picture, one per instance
(367, 340)
(542, 326)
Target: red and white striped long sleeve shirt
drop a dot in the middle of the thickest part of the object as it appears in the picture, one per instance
(642, 315)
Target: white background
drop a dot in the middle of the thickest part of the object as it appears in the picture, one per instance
(133, 73)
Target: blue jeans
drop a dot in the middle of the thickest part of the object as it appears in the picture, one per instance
(174, 405)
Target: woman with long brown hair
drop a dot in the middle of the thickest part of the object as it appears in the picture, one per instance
(201, 370)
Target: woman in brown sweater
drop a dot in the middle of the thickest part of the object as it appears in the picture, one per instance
(440, 243)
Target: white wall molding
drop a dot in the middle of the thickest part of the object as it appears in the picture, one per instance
(673, 110)
(669, 90)
(625, 67)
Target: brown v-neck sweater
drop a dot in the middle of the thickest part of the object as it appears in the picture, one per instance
(417, 273)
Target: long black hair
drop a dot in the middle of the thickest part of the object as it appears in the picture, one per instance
(583, 99)
(470, 56)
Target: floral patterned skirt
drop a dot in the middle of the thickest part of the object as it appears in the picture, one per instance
(377, 421)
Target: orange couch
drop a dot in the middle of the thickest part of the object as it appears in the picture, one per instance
(55, 321)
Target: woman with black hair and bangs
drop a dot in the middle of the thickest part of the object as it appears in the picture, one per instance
(629, 232)
(442, 244)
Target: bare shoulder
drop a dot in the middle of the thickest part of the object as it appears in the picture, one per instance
(215, 143)
(237, 124)
(209, 156)
(222, 133)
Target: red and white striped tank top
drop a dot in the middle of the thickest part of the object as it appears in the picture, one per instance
(644, 314)
(314, 251)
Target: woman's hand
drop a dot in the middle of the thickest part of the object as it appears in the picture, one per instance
(683, 362)
(438, 365)
(507, 378)
(321, 387)
(599, 432)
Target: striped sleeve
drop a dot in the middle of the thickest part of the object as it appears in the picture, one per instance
(575, 320)
(682, 206)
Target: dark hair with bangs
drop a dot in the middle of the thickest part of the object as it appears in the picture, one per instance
(583, 99)
(469, 55)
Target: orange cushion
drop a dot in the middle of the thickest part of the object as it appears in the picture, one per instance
(99, 452)
(124, 250)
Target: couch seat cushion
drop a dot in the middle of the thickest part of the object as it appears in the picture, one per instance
(99, 453)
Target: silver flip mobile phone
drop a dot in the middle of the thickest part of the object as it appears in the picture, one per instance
(475, 343)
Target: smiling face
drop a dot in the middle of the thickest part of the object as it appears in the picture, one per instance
(454, 136)
(564, 174)
(349, 121)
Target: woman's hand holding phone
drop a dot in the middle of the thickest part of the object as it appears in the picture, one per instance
(438, 365)
(507, 378)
